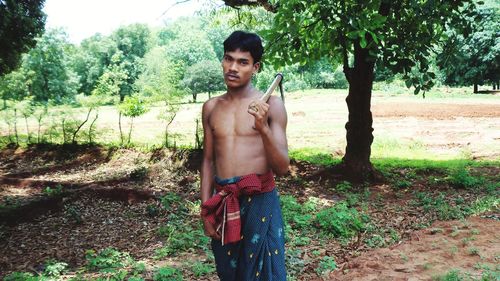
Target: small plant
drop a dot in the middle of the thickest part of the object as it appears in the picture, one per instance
(180, 238)
(54, 269)
(404, 257)
(403, 184)
(20, 276)
(139, 173)
(341, 221)
(294, 263)
(170, 200)
(326, 265)
(427, 266)
(108, 258)
(455, 231)
(200, 269)
(461, 178)
(454, 250)
(53, 191)
(294, 213)
(168, 274)
(138, 268)
(473, 251)
(343, 187)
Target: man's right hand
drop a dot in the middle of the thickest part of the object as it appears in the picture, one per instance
(210, 230)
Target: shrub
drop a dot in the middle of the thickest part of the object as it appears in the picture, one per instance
(326, 265)
(461, 178)
(340, 220)
(20, 276)
(168, 274)
(107, 259)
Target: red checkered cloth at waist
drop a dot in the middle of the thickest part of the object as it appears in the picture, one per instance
(223, 209)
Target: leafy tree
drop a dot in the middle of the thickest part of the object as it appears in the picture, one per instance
(20, 22)
(133, 42)
(204, 77)
(92, 59)
(48, 68)
(26, 110)
(160, 80)
(132, 107)
(399, 33)
(40, 112)
(92, 103)
(190, 48)
(168, 115)
(474, 59)
(14, 86)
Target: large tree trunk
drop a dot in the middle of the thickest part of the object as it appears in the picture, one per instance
(356, 162)
(475, 88)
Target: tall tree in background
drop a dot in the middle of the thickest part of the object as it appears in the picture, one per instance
(20, 22)
(357, 33)
(204, 77)
(92, 59)
(48, 67)
(133, 42)
(474, 60)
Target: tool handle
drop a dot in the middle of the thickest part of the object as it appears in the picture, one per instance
(270, 90)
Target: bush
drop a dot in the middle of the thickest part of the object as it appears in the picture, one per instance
(461, 178)
(326, 265)
(107, 259)
(20, 276)
(294, 213)
(340, 221)
(180, 238)
(168, 274)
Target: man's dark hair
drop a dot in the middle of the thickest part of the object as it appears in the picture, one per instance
(246, 42)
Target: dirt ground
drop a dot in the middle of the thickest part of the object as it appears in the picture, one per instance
(109, 194)
(466, 245)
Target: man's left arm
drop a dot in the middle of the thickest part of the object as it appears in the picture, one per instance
(271, 121)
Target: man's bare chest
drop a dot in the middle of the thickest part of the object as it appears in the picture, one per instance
(234, 122)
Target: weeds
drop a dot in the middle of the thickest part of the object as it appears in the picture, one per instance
(461, 178)
(168, 274)
(341, 221)
(108, 258)
(326, 265)
(200, 269)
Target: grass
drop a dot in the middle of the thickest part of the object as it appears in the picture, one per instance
(405, 163)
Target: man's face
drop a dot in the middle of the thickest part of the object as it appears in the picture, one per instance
(238, 67)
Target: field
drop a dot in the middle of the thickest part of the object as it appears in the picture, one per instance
(447, 124)
(118, 213)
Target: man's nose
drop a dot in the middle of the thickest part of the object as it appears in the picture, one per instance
(233, 66)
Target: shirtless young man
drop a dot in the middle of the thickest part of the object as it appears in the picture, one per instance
(244, 145)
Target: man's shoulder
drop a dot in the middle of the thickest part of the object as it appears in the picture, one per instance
(210, 104)
(275, 103)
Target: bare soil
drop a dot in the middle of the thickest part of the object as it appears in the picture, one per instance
(466, 245)
(105, 196)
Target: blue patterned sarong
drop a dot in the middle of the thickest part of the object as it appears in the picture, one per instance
(260, 255)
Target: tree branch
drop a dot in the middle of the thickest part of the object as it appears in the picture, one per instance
(263, 3)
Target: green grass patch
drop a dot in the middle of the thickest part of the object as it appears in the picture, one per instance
(315, 156)
(341, 220)
(168, 273)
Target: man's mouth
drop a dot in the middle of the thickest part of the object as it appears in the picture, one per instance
(232, 76)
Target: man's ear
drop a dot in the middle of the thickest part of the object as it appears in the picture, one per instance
(256, 67)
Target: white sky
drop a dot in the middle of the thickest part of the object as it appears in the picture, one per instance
(83, 18)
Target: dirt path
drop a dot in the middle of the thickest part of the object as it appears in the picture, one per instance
(468, 246)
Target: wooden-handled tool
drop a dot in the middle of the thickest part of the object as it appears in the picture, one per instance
(270, 90)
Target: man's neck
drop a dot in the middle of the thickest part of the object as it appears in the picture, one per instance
(241, 92)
